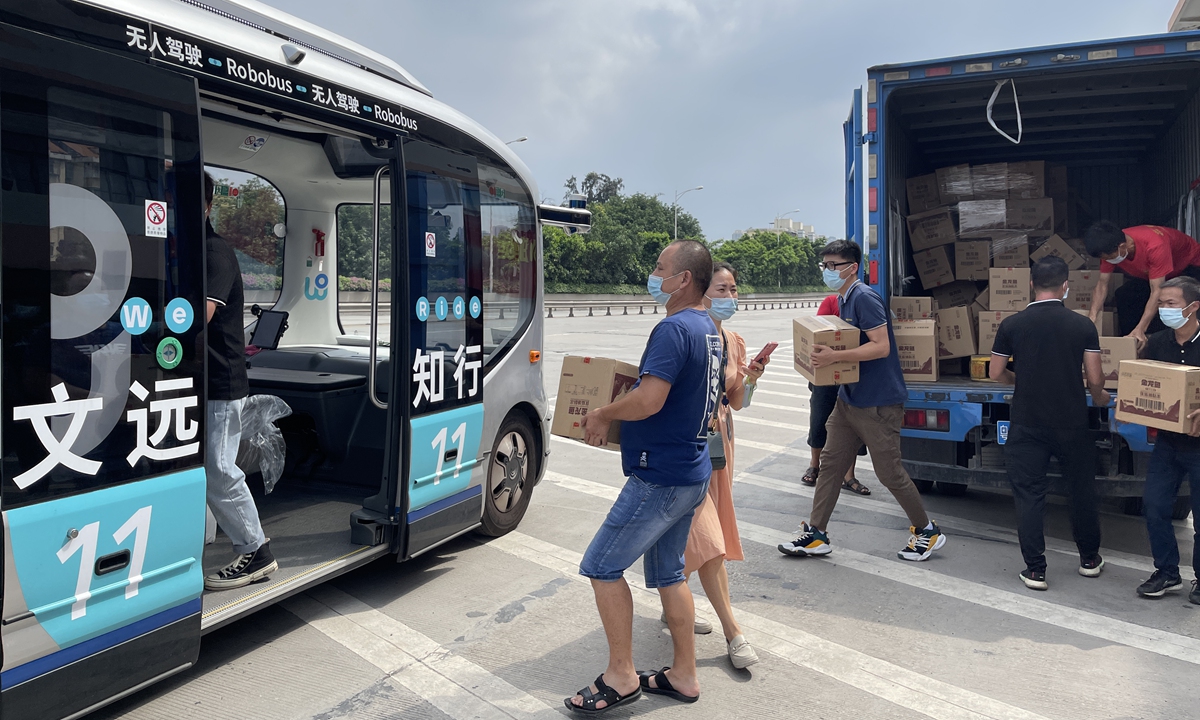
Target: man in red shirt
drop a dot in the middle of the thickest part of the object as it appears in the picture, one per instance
(1149, 255)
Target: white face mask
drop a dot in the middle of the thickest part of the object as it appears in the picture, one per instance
(1120, 258)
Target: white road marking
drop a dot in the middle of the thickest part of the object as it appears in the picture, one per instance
(880, 678)
(452, 684)
(1152, 640)
(771, 381)
(743, 418)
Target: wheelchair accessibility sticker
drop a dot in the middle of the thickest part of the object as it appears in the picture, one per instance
(1002, 431)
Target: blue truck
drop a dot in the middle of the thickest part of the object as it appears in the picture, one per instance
(1122, 116)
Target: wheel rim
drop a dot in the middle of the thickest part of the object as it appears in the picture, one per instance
(508, 470)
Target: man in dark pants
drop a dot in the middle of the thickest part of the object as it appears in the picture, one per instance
(1175, 455)
(1050, 416)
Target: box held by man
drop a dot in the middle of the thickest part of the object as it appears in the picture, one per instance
(585, 384)
(832, 332)
(1157, 394)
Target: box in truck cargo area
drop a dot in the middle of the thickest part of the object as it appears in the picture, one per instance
(1114, 350)
(1009, 289)
(930, 229)
(1054, 246)
(989, 323)
(956, 338)
(917, 349)
(972, 259)
(957, 294)
(923, 193)
(912, 308)
(933, 267)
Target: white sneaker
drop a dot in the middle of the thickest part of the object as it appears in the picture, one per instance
(741, 654)
(701, 627)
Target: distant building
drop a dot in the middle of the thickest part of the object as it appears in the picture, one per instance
(782, 225)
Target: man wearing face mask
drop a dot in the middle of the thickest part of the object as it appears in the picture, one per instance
(868, 412)
(664, 455)
(1149, 255)
(1050, 416)
(1175, 455)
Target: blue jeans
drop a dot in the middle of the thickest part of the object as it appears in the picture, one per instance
(1168, 467)
(228, 496)
(646, 520)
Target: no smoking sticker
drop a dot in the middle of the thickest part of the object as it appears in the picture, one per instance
(156, 219)
(430, 245)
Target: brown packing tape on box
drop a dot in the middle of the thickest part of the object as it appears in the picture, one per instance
(923, 193)
(956, 338)
(917, 349)
(832, 332)
(585, 384)
(1157, 394)
(930, 229)
(933, 267)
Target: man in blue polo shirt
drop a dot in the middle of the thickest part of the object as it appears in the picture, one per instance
(664, 455)
(868, 412)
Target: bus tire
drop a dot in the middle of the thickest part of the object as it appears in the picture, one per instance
(512, 470)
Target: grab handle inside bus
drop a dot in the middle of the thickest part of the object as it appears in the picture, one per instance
(374, 349)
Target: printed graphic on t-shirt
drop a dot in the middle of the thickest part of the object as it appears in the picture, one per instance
(714, 384)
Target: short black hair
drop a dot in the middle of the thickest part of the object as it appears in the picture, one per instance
(1103, 238)
(844, 249)
(1188, 286)
(722, 265)
(1049, 273)
(694, 257)
(209, 186)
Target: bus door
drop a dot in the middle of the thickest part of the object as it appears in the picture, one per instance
(443, 486)
(102, 357)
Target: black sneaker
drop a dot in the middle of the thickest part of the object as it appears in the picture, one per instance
(1159, 584)
(245, 569)
(1034, 579)
(1091, 567)
(1194, 595)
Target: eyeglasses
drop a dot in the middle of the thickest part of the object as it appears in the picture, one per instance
(834, 265)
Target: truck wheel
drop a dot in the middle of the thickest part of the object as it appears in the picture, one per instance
(952, 489)
(512, 468)
(923, 486)
(1180, 509)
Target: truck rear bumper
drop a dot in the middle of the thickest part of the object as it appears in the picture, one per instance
(1115, 486)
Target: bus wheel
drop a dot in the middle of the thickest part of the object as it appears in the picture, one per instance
(511, 472)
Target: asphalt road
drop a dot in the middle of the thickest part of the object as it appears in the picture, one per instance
(506, 628)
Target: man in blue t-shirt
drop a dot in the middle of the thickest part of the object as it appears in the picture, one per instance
(868, 412)
(664, 454)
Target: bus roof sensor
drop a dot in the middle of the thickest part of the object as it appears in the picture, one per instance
(292, 54)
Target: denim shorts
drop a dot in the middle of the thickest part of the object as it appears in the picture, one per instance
(646, 520)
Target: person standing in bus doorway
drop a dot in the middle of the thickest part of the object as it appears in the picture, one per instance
(821, 403)
(1050, 416)
(665, 457)
(868, 412)
(228, 496)
(714, 537)
(1175, 455)
(1149, 255)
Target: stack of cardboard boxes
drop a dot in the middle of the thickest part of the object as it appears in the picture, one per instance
(974, 231)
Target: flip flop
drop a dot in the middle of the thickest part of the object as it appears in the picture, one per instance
(664, 686)
(606, 694)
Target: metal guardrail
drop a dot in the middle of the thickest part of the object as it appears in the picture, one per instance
(594, 306)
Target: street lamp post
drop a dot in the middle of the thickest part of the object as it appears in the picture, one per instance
(676, 206)
(779, 281)
(518, 140)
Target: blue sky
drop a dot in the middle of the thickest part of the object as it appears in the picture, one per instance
(744, 97)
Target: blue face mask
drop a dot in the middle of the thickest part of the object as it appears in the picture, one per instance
(722, 308)
(833, 279)
(654, 287)
(1172, 317)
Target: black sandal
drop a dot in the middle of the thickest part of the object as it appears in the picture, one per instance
(856, 487)
(664, 686)
(606, 694)
(809, 478)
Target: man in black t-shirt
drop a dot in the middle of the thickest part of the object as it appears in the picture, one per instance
(1175, 455)
(228, 496)
(1050, 417)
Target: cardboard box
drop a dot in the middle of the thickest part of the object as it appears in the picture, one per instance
(1009, 289)
(981, 218)
(912, 308)
(956, 339)
(978, 308)
(1112, 351)
(954, 184)
(923, 193)
(956, 294)
(1010, 250)
(917, 348)
(1157, 394)
(930, 229)
(933, 267)
(989, 323)
(585, 384)
(1054, 246)
(1027, 180)
(972, 259)
(1082, 287)
(830, 331)
(1056, 182)
(1077, 244)
(989, 182)
(1033, 217)
(1105, 323)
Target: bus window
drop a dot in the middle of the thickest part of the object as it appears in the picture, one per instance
(246, 209)
(509, 258)
(354, 246)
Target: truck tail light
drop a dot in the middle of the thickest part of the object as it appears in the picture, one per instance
(927, 420)
(1151, 435)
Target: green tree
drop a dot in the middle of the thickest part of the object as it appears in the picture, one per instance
(770, 261)
(247, 222)
(597, 187)
(355, 242)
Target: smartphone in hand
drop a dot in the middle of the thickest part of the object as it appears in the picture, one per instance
(765, 352)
